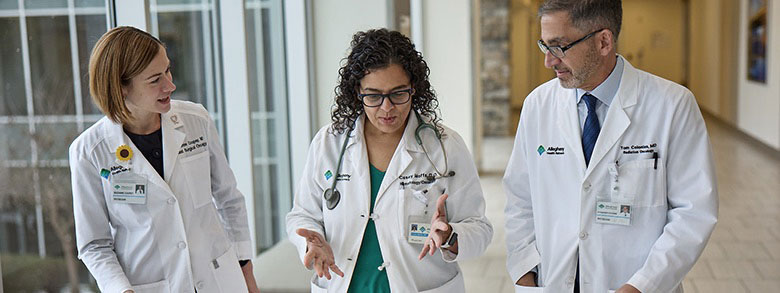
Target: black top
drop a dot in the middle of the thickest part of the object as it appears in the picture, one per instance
(151, 147)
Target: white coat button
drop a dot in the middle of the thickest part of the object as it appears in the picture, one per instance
(182, 245)
(587, 186)
(200, 285)
(583, 235)
(171, 201)
(570, 283)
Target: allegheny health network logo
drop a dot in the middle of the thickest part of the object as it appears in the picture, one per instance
(540, 150)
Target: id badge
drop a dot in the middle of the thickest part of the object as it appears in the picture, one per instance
(129, 189)
(417, 229)
(616, 213)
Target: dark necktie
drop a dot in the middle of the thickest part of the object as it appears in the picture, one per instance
(590, 132)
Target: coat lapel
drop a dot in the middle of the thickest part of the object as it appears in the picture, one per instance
(569, 123)
(138, 164)
(617, 120)
(401, 157)
(172, 137)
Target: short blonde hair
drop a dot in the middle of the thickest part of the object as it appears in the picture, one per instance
(119, 55)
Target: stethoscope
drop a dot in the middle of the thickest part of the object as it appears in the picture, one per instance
(333, 196)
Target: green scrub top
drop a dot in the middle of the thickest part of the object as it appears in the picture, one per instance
(367, 278)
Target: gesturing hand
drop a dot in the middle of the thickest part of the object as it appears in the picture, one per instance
(318, 254)
(440, 229)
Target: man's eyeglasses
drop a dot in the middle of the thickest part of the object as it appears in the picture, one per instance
(559, 51)
(396, 98)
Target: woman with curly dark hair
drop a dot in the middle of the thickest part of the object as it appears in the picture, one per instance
(372, 204)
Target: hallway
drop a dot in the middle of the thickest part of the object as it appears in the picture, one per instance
(743, 254)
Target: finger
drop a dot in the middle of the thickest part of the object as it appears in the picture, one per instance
(433, 247)
(441, 207)
(424, 251)
(303, 232)
(308, 260)
(440, 226)
(326, 270)
(336, 270)
(322, 268)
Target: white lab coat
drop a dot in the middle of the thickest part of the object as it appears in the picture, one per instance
(193, 228)
(551, 198)
(343, 227)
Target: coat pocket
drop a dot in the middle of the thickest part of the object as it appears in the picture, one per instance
(156, 287)
(642, 182)
(456, 284)
(524, 289)
(198, 170)
(227, 273)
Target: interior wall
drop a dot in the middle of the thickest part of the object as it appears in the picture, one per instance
(712, 56)
(527, 62)
(758, 104)
(652, 37)
(448, 50)
(334, 23)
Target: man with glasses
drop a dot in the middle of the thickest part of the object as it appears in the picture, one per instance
(600, 138)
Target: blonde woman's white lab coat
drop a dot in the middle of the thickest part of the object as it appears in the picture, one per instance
(343, 227)
(552, 195)
(191, 231)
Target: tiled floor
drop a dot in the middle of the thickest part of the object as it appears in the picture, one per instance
(743, 254)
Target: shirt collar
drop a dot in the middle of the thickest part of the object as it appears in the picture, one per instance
(606, 91)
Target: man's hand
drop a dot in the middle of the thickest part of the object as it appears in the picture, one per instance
(318, 254)
(249, 277)
(441, 230)
(527, 280)
(627, 289)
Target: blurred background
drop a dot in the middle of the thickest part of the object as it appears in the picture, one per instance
(266, 70)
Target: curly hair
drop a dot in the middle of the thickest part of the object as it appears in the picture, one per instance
(376, 49)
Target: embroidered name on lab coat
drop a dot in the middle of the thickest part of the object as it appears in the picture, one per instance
(638, 149)
(192, 145)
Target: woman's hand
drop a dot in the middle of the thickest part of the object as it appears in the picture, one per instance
(318, 254)
(440, 230)
(249, 277)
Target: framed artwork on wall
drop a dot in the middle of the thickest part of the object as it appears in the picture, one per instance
(757, 40)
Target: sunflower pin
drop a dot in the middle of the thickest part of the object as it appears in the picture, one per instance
(124, 153)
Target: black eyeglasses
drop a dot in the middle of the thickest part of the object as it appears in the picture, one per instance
(558, 51)
(396, 98)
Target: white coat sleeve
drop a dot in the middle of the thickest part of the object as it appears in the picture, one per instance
(306, 212)
(692, 199)
(522, 255)
(94, 241)
(229, 201)
(466, 206)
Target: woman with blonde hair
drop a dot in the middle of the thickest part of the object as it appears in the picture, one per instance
(188, 230)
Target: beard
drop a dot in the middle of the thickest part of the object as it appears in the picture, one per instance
(580, 76)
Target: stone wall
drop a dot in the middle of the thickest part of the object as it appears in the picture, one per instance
(494, 47)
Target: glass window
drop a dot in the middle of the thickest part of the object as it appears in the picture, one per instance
(188, 29)
(12, 86)
(45, 104)
(268, 105)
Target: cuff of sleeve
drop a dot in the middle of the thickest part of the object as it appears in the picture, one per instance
(522, 262)
(120, 286)
(243, 249)
(642, 284)
(447, 255)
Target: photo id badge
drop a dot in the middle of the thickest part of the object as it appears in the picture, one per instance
(417, 229)
(129, 189)
(615, 213)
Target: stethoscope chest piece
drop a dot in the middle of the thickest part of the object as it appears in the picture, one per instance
(332, 198)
